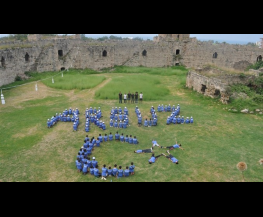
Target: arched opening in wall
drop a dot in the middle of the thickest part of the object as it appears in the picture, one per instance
(215, 55)
(104, 53)
(177, 52)
(177, 64)
(3, 62)
(178, 36)
(203, 88)
(27, 57)
(259, 58)
(217, 92)
(144, 53)
(62, 69)
(60, 53)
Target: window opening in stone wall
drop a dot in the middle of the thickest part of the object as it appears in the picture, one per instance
(144, 53)
(178, 36)
(203, 88)
(60, 53)
(62, 69)
(177, 64)
(104, 53)
(177, 51)
(217, 92)
(215, 55)
(26, 57)
(3, 62)
(259, 58)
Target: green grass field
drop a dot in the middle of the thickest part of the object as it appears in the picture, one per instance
(213, 145)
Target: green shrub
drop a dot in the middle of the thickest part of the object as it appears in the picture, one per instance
(18, 78)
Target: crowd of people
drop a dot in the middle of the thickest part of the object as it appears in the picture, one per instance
(130, 97)
(94, 116)
(147, 123)
(119, 118)
(65, 117)
(85, 165)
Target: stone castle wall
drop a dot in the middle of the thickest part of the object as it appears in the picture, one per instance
(44, 56)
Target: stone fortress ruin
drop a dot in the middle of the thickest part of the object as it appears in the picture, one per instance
(57, 53)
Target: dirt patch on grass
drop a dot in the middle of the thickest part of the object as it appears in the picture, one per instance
(28, 132)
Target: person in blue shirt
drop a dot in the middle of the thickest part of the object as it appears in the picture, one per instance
(75, 126)
(86, 138)
(84, 159)
(150, 123)
(159, 108)
(150, 150)
(116, 124)
(120, 124)
(179, 119)
(117, 136)
(139, 120)
(76, 162)
(122, 138)
(104, 172)
(154, 143)
(168, 120)
(110, 137)
(165, 108)
(89, 162)
(109, 171)
(135, 141)
(191, 120)
(94, 162)
(100, 138)
(173, 146)
(131, 139)
(178, 108)
(85, 168)
(174, 120)
(120, 110)
(111, 116)
(153, 159)
(173, 108)
(68, 118)
(87, 128)
(146, 123)
(116, 110)
(91, 170)
(97, 173)
(95, 110)
(171, 157)
(154, 122)
(98, 142)
(89, 150)
(126, 111)
(124, 124)
(120, 172)
(111, 123)
(120, 117)
(131, 168)
(105, 138)
(127, 139)
(126, 172)
(114, 170)
(169, 108)
(187, 121)
(79, 165)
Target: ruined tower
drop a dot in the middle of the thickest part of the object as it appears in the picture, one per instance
(173, 37)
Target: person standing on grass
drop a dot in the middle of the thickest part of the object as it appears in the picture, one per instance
(136, 97)
(125, 98)
(141, 95)
(129, 97)
(120, 97)
(132, 98)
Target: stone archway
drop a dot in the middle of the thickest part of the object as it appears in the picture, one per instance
(144, 53)
(215, 55)
(3, 61)
(259, 58)
(60, 53)
(104, 53)
(177, 52)
(27, 57)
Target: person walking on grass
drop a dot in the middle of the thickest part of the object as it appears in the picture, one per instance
(120, 97)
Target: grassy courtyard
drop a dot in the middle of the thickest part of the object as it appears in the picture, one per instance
(213, 145)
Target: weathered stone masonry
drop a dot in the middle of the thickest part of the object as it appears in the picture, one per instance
(55, 54)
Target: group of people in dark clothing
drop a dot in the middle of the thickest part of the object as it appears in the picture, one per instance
(130, 97)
